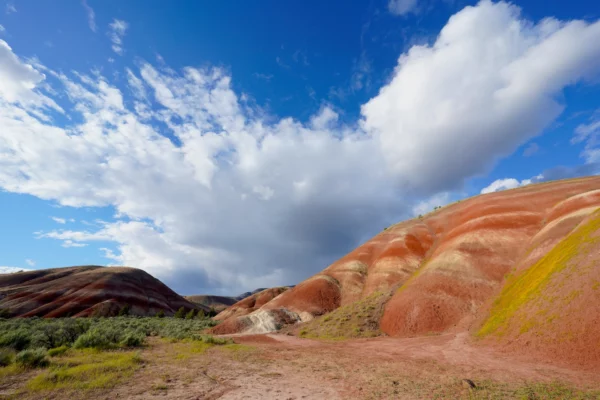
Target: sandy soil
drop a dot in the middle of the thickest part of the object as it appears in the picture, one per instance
(278, 366)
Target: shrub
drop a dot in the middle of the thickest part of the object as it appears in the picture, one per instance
(191, 314)
(201, 314)
(58, 351)
(180, 313)
(4, 313)
(92, 339)
(132, 340)
(6, 357)
(160, 314)
(32, 358)
(17, 340)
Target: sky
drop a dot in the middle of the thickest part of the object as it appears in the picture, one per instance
(226, 146)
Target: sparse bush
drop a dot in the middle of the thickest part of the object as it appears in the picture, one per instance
(4, 313)
(58, 351)
(180, 313)
(200, 314)
(160, 314)
(6, 357)
(32, 358)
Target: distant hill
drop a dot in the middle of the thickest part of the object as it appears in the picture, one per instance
(217, 303)
(220, 303)
(87, 290)
(518, 268)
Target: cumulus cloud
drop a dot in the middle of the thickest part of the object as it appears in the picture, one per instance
(487, 85)
(91, 15)
(117, 30)
(59, 220)
(510, 183)
(213, 195)
(402, 7)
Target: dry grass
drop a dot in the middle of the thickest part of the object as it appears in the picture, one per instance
(356, 320)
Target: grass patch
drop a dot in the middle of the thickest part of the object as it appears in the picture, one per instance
(356, 320)
(85, 370)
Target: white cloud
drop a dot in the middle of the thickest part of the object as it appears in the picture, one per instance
(91, 15)
(509, 183)
(59, 220)
(212, 194)
(70, 243)
(2, 29)
(531, 149)
(10, 270)
(402, 7)
(30, 262)
(117, 31)
(17, 79)
(488, 84)
(10, 8)
(426, 206)
(590, 134)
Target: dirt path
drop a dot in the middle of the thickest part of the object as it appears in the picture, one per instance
(277, 366)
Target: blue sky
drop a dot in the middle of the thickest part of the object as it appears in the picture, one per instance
(292, 131)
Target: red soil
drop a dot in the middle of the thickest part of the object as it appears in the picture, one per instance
(250, 303)
(449, 265)
(81, 291)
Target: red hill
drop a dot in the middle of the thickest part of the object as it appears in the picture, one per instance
(87, 290)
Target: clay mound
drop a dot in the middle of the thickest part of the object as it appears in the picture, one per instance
(551, 309)
(250, 303)
(85, 291)
(444, 268)
(217, 303)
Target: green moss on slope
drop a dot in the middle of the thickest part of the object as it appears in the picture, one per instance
(528, 286)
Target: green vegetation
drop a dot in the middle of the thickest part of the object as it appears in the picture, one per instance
(99, 333)
(527, 287)
(356, 320)
(32, 358)
(87, 369)
(74, 354)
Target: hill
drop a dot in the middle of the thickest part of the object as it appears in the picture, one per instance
(87, 290)
(518, 268)
(217, 303)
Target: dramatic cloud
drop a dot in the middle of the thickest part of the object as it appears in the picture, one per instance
(91, 15)
(401, 7)
(211, 194)
(487, 85)
(116, 33)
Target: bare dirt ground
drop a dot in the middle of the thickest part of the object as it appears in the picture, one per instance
(286, 367)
